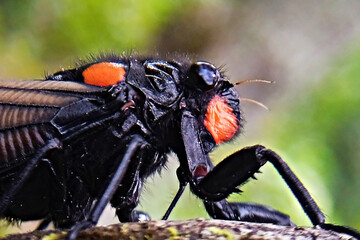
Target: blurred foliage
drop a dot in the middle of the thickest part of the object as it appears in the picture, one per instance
(318, 132)
(40, 34)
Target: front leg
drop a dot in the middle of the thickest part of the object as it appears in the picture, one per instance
(236, 169)
(216, 183)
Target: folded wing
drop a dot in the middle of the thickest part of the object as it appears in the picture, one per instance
(26, 109)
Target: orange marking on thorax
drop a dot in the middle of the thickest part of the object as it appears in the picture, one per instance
(220, 120)
(104, 74)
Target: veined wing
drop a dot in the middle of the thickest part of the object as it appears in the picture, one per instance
(26, 109)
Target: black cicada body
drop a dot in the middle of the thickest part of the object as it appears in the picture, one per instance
(84, 137)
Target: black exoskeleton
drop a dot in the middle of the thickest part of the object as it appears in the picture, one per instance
(84, 137)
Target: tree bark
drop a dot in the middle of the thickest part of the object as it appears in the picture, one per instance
(189, 229)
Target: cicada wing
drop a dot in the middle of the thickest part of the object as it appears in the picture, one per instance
(26, 110)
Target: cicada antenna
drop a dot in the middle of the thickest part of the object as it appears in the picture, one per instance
(254, 101)
(254, 81)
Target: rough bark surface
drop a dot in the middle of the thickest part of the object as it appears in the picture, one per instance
(189, 229)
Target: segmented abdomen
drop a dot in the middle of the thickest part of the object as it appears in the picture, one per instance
(19, 142)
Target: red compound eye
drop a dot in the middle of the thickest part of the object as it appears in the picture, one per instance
(220, 120)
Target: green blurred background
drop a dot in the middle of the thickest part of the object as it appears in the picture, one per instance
(310, 48)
